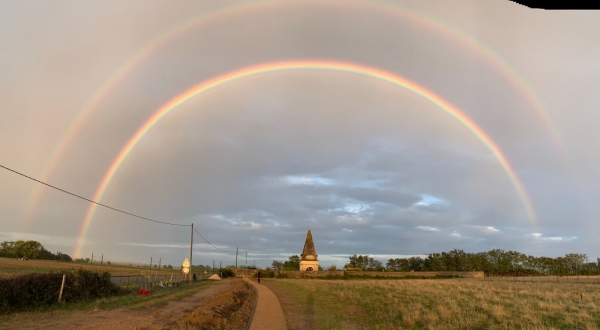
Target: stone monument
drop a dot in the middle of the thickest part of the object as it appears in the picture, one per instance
(308, 258)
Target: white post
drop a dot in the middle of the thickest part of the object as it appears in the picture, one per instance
(61, 288)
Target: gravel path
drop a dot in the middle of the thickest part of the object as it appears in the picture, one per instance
(268, 313)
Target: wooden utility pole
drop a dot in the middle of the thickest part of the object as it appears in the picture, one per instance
(246, 259)
(91, 262)
(236, 253)
(191, 245)
(159, 260)
(150, 262)
(102, 260)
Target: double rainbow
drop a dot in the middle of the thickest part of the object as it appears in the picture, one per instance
(302, 65)
(392, 10)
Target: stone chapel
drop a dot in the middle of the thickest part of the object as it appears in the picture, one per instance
(308, 258)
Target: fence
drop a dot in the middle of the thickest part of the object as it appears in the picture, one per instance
(150, 282)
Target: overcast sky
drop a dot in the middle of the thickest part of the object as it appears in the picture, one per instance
(369, 167)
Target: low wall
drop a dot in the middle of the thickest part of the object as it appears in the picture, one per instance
(340, 273)
(290, 273)
(414, 274)
(241, 272)
(304, 274)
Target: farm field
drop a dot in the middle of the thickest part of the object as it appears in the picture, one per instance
(493, 303)
(10, 266)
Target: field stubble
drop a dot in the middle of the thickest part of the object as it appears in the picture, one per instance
(10, 267)
(497, 303)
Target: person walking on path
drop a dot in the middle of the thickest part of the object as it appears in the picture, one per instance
(258, 276)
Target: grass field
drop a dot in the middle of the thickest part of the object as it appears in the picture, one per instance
(13, 266)
(498, 303)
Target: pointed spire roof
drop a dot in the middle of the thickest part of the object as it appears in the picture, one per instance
(309, 247)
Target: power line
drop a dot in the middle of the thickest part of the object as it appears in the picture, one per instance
(209, 242)
(91, 201)
(109, 207)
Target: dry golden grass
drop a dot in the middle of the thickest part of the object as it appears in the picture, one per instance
(13, 266)
(499, 303)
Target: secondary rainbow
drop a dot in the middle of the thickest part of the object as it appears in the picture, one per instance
(444, 28)
(302, 65)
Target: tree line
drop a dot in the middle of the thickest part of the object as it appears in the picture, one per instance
(496, 262)
(30, 250)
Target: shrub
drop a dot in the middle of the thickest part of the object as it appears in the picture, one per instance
(270, 273)
(267, 273)
(226, 272)
(281, 275)
(41, 289)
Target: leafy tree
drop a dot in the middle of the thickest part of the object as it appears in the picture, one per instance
(390, 265)
(364, 262)
(29, 249)
(292, 263)
(415, 263)
(278, 265)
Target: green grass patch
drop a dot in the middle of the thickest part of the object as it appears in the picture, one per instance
(320, 306)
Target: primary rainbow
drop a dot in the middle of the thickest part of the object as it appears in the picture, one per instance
(297, 65)
(444, 28)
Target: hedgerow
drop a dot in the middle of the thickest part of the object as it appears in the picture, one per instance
(29, 291)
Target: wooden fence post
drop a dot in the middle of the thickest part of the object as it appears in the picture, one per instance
(127, 287)
(61, 288)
